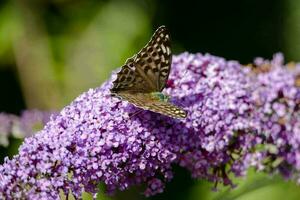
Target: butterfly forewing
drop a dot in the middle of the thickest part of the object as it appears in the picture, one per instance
(149, 69)
(154, 60)
(129, 80)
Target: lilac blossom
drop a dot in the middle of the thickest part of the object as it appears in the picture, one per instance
(98, 138)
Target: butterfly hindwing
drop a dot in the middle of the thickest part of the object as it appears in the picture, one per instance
(147, 102)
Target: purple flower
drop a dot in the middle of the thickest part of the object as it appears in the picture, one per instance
(277, 97)
(26, 125)
(217, 95)
(32, 121)
(95, 139)
(5, 128)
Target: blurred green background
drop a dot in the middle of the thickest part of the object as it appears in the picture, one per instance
(53, 50)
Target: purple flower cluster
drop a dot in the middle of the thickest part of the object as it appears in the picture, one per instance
(217, 95)
(277, 97)
(99, 138)
(22, 126)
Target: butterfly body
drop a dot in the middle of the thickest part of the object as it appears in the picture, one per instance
(160, 96)
(143, 77)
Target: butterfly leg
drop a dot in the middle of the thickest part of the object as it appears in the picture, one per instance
(135, 113)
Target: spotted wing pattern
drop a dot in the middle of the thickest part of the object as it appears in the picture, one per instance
(154, 60)
(148, 72)
(129, 80)
(147, 102)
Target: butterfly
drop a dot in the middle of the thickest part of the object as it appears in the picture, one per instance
(143, 77)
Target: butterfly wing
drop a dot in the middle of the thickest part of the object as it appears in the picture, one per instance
(129, 80)
(147, 72)
(153, 62)
(147, 102)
